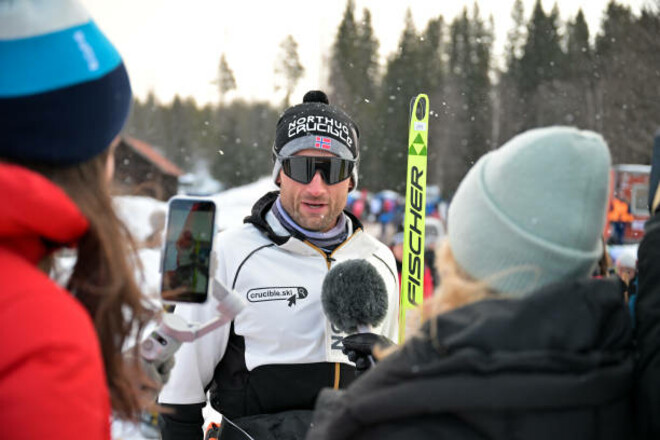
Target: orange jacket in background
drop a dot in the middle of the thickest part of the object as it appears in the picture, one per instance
(619, 211)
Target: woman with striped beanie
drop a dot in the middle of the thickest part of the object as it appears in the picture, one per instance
(64, 97)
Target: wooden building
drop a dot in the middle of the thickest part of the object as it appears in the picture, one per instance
(141, 170)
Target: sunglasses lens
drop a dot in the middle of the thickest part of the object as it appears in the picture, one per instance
(299, 170)
(303, 168)
(339, 170)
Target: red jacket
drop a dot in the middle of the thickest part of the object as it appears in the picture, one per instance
(52, 381)
(428, 281)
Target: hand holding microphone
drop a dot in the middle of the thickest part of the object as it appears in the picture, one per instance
(359, 349)
(354, 299)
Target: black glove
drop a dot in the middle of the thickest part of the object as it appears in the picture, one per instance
(359, 349)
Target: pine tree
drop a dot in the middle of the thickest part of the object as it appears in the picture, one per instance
(433, 76)
(366, 61)
(515, 36)
(242, 143)
(354, 78)
(579, 75)
(343, 59)
(226, 81)
(401, 83)
(509, 101)
(354, 60)
(468, 94)
(540, 67)
(288, 68)
(542, 54)
(578, 49)
(628, 64)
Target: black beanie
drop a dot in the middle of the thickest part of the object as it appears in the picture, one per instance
(315, 124)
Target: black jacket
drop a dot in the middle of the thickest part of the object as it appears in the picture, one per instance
(556, 365)
(647, 328)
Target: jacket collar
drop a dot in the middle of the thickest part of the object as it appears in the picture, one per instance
(259, 219)
(573, 317)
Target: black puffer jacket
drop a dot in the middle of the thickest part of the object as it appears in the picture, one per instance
(556, 365)
(647, 327)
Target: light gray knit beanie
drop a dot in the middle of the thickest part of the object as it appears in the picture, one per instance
(532, 212)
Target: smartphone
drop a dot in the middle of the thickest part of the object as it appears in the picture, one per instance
(186, 265)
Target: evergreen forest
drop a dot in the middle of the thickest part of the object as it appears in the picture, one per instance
(555, 71)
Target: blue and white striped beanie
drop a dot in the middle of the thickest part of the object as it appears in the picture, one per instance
(64, 91)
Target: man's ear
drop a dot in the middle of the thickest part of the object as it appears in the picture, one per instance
(351, 185)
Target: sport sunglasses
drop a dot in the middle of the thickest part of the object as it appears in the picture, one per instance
(302, 169)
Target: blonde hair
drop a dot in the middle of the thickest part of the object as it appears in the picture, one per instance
(456, 289)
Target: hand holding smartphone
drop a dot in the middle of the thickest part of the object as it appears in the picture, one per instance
(186, 271)
(187, 277)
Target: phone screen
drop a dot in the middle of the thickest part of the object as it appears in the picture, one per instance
(187, 254)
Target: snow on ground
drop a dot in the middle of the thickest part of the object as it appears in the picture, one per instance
(235, 204)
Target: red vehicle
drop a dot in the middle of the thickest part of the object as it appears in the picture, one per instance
(630, 185)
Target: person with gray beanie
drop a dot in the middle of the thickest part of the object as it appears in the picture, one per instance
(519, 341)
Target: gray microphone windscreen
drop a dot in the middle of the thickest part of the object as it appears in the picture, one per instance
(354, 294)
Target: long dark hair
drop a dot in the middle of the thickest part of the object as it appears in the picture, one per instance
(104, 276)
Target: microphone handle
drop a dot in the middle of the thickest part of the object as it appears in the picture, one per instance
(366, 328)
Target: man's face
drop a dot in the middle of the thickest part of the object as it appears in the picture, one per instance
(314, 206)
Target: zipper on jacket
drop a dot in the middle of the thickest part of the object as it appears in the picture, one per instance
(328, 261)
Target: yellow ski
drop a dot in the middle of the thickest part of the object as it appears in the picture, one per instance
(412, 272)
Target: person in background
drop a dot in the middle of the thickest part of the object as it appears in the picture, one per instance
(396, 246)
(626, 270)
(519, 341)
(620, 217)
(626, 267)
(64, 97)
(263, 372)
(434, 231)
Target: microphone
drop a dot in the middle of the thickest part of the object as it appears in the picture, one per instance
(354, 299)
(354, 296)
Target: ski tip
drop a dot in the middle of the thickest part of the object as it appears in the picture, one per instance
(419, 105)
